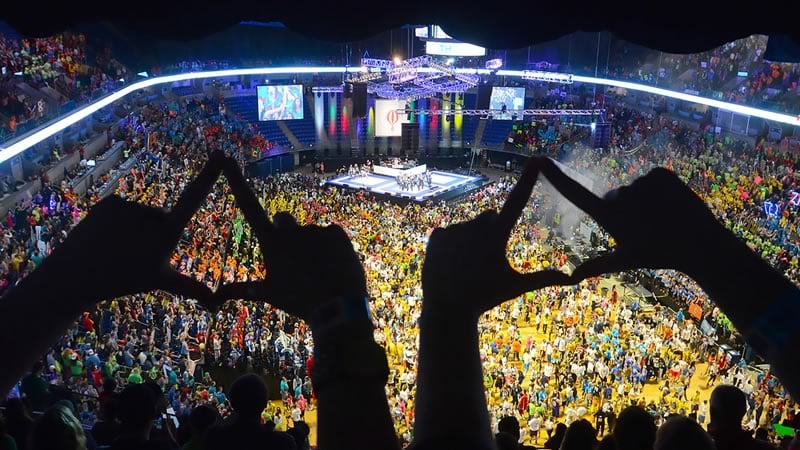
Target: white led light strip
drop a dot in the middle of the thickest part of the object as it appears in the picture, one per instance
(15, 148)
(8, 152)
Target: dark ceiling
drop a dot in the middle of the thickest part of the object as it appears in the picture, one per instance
(675, 27)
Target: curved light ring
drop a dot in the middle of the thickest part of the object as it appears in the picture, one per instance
(16, 148)
(7, 152)
(741, 109)
(737, 108)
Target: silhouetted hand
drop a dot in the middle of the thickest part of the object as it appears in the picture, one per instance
(122, 248)
(306, 266)
(466, 266)
(657, 221)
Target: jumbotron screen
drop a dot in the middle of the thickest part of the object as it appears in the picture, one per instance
(512, 98)
(280, 102)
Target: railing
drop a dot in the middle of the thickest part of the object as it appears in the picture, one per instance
(33, 137)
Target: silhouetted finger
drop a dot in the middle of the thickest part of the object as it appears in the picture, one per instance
(527, 282)
(518, 198)
(195, 194)
(284, 220)
(573, 191)
(247, 200)
(251, 290)
(182, 285)
(608, 263)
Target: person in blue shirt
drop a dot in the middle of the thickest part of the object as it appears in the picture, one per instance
(284, 385)
(187, 379)
(607, 392)
(172, 393)
(91, 360)
(541, 395)
(128, 358)
(587, 386)
(220, 396)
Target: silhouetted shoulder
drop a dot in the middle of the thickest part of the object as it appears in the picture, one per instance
(242, 436)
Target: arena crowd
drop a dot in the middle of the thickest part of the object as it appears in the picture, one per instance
(555, 358)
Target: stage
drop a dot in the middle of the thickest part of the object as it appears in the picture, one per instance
(397, 170)
(442, 183)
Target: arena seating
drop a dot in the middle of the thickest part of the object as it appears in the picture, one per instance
(303, 129)
(52, 69)
(245, 109)
(469, 128)
(284, 191)
(183, 91)
(273, 133)
(496, 131)
(768, 85)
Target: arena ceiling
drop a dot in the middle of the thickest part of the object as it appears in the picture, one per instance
(675, 27)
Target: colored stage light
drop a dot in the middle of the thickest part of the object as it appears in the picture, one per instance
(17, 146)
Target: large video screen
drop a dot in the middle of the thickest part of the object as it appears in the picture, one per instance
(280, 102)
(513, 98)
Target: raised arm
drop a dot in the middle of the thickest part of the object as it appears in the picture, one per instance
(78, 273)
(660, 223)
(314, 273)
(465, 273)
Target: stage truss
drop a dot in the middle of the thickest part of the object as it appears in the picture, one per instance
(414, 78)
(493, 112)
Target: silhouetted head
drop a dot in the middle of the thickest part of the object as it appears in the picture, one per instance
(634, 429)
(137, 406)
(300, 433)
(580, 436)
(37, 368)
(728, 407)
(607, 443)
(248, 396)
(202, 418)
(109, 408)
(506, 441)
(58, 429)
(558, 435)
(680, 432)
(16, 411)
(109, 385)
(510, 425)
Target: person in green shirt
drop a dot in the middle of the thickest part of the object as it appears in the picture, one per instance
(153, 374)
(75, 366)
(135, 376)
(266, 416)
(109, 368)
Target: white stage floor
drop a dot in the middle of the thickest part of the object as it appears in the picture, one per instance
(441, 182)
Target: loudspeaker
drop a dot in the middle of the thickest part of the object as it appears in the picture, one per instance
(484, 95)
(359, 99)
(410, 138)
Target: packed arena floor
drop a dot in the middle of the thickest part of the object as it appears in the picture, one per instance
(549, 357)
